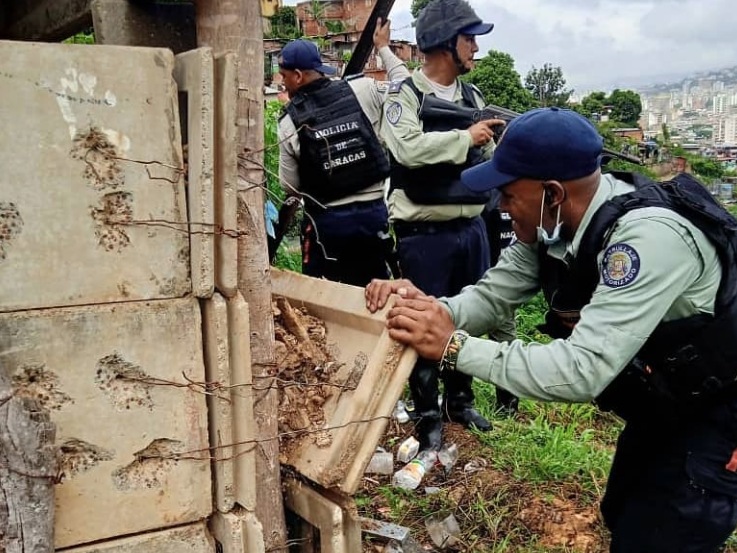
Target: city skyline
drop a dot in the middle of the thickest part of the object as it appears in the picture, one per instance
(603, 44)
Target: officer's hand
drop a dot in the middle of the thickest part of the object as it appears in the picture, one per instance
(482, 132)
(378, 292)
(422, 323)
(381, 33)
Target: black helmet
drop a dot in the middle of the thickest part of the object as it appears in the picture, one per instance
(442, 20)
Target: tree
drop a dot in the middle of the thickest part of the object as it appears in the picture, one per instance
(500, 83)
(417, 6)
(593, 104)
(626, 107)
(547, 85)
(666, 134)
(316, 10)
(284, 23)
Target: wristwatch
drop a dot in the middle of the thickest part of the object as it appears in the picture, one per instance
(452, 349)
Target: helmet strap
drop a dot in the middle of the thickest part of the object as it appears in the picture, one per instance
(450, 46)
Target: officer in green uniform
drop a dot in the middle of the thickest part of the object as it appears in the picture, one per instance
(646, 319)
(441, 239)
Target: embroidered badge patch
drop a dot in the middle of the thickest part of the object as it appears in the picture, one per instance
(620, 266)
(394, 112)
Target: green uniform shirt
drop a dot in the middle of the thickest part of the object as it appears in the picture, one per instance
(677, 274)
(370, 95)
(412, 148)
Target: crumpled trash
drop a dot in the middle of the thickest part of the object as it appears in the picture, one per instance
(475, 465)
(444, 532)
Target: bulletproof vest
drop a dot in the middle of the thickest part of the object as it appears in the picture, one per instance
(440, 183)
(686, 363)
(339, 151)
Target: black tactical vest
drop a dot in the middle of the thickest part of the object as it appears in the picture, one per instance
(439, 184)
(339, 151)
(685, 363)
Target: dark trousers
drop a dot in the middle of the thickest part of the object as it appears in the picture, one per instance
(440, 259)
(673, 485)
(498, 230)
(349, 244)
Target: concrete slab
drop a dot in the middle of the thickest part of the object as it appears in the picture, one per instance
(91, 156)
(371, 362)
(237, 532)
(194, 74)
(166, 25)
(340, 529)
(186, 539)
(226, 174)
(232, 427)
(130, 442)
(244, 423)
(219, 403)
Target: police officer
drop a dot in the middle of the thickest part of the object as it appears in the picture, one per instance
(501, 235)
(442, 242)
(330, 154)
(644, 311)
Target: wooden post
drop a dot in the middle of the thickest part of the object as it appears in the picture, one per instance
(236, 25)
(28, 465)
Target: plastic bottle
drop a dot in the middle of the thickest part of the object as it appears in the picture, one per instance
(400, 413)
(408, 449)
(410, 476)
(448, 457)
(381, 463)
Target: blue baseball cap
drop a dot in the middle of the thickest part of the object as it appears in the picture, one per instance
(303, 54)
(544, 143)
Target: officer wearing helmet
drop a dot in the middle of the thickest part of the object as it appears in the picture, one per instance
(442, 241)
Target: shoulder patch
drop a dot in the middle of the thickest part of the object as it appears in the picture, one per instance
(395, 86)
(394, 112)
(620, 266)
(382, 86)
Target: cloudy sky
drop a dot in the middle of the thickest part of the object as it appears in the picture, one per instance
(601, 44)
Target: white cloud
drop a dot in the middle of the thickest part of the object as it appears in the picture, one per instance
(605, 43)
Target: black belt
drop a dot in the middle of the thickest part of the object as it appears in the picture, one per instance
(353, 206)
(409, 228)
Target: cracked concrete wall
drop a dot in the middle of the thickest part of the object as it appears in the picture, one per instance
(134, 449)
(92, 196)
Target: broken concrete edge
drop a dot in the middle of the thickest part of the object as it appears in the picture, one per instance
(339, 526)
(237, 532)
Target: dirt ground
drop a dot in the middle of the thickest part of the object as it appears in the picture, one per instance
(491, 506)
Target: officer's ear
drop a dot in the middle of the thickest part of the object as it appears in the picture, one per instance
(555, 193)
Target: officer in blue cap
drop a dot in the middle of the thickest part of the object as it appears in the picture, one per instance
(330, 154)
(642, 292)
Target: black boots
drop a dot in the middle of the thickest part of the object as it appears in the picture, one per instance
(457, 405)
(467, 416)
(506, 402)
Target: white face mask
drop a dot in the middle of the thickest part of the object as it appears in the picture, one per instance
(542, 234)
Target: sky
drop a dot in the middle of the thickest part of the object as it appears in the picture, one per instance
(604, 44)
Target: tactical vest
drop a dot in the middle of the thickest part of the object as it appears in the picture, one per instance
(685, 363)
(440, 183)
(339, 151)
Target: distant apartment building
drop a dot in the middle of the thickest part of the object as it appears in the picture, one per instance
(725, 130)
(656, 119)
(720, 102)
